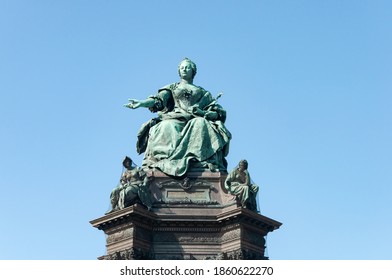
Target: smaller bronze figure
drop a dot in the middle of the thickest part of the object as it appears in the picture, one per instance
(133, 187)
(238, 183)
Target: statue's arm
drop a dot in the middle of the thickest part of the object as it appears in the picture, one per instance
(200, 109)
(154, 103)
(211, 115)
(209, 108)
(247, 179)
(229, 180)
(134, 103)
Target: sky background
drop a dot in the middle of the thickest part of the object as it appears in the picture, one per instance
(307, 88)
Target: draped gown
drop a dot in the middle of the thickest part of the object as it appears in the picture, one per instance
(178, 140)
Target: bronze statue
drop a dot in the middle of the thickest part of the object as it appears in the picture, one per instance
(133, 186)
(238, 183)
(189, 130)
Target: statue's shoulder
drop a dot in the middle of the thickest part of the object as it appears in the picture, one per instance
(202, 89)
(233, 172)
(169, 87)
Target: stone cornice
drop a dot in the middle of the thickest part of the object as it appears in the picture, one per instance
(136, 214)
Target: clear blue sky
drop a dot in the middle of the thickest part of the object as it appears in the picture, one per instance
(307, 87)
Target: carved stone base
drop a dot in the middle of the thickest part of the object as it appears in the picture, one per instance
(191, 218)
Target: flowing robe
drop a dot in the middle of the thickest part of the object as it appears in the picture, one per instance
(178, 139)
(131, 186)
(239, 184)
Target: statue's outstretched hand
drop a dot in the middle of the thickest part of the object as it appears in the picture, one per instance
(133, 104)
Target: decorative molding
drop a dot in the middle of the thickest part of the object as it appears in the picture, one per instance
(186, 201)
(130, 254)
(186, 184)
(197, 238)
(185, 229)
(187, 238)
(231, 235)
(138, 254)
(170, 257)
(239, 254)
(242, 254)
(119, 235)
(186, 191)
(119, 227)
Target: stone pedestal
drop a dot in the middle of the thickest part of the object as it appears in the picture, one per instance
(192, 218)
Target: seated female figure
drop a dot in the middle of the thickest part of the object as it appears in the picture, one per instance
(133, 186)
(189, 131)
(238, 183)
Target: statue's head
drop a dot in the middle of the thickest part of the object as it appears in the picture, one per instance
(192, 65)
(127, 162)
(243, 164)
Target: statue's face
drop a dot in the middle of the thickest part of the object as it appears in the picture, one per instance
(185, 70)
(242, 166)
(127, 164)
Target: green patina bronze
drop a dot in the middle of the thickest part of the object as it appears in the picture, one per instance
(188, 132)
(133, 187)
(238, 183)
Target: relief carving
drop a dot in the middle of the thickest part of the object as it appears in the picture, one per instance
(231, 235)
(130, 254)
(199, 239)
(120, 235)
